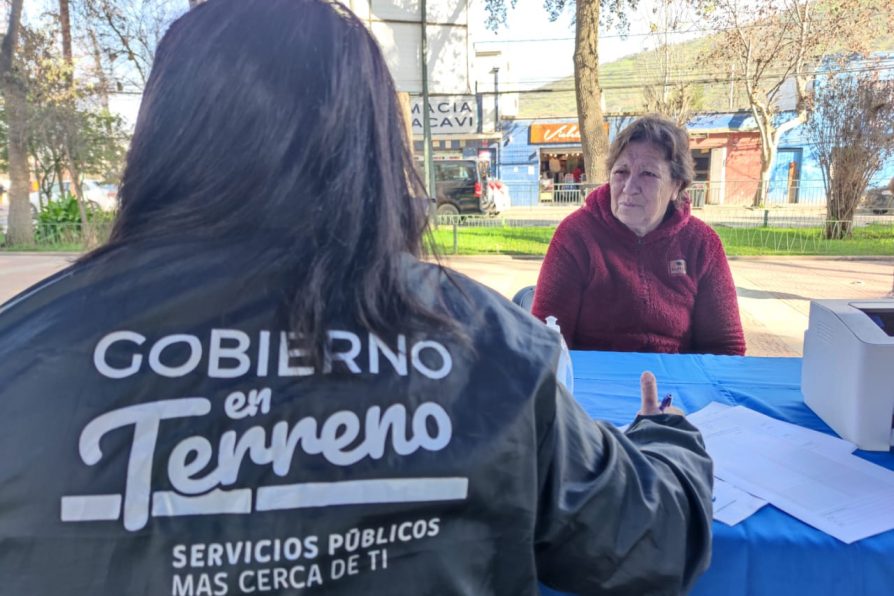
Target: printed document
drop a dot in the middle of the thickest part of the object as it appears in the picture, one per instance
(729, 420)
(733, 505)
(812, 479)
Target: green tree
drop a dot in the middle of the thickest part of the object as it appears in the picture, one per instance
(56, 115)
(68, 127)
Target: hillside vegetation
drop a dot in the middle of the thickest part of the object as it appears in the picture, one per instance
(623, 82)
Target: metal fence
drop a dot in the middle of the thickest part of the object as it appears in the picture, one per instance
(65, 236)
(730, 192)
(744, 231)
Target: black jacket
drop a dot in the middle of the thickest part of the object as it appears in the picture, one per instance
(162, 435)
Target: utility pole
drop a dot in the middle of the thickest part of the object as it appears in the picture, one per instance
(496, 72)
(479, 109)
(426, 123)
(732, 88)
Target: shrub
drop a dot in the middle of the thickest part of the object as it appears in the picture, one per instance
(59, 222)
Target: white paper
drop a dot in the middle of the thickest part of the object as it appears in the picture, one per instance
(733, 505)
(812, 479)
(720, 418)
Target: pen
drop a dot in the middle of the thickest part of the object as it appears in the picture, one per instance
(666, 402)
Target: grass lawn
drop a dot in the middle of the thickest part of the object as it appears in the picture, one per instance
(866, 241)
(872, 240)
(42, 247)
(494, 240)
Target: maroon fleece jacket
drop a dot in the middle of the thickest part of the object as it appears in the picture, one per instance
(669, 291)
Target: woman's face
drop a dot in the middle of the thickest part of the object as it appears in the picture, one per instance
(641, 187)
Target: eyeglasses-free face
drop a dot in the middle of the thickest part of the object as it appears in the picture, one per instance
(641, 187)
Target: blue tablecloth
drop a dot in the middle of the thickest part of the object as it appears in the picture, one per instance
(770, 553)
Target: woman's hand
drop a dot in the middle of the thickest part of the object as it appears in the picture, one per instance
(651, 407)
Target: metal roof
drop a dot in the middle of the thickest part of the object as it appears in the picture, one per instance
(733, 121)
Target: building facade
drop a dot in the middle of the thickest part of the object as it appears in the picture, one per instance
(462, 110)
(538, 156)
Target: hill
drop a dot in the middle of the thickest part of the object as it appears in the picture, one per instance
(623, 82)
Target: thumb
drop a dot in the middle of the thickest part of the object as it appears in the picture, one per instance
(649, 387)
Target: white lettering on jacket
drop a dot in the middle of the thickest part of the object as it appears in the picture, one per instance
(230, 355)
(202, 475)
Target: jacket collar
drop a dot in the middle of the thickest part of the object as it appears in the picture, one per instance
(598, 205)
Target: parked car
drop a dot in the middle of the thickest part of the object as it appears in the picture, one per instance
(102, 196)
(879, 200)
(462, 187)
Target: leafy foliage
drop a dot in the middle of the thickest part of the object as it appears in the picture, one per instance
(67, 124)
(59, 222)
(613, 13)
(61, 211)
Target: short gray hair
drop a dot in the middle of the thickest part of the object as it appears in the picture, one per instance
(664, 134)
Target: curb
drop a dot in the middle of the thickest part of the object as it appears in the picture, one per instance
(37, 253)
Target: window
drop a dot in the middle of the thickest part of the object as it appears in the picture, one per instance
(458, 172)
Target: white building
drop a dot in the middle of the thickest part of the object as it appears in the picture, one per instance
(460, 80)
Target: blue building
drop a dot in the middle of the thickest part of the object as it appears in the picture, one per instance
(537, 159)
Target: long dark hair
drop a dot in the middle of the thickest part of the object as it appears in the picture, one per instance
(279, 118)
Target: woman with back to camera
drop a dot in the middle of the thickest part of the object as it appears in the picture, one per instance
(257, 386)
(632, 271)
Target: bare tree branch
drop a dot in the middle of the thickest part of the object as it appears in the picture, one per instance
(776, 43)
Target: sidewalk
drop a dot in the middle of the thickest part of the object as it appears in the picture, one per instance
(774, 292)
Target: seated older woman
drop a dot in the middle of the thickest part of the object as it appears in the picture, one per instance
(631, 270)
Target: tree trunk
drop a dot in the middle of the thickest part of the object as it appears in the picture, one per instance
(60, 180)
(764, 120)
(88, 234)
(839, 218)
(19, 229)
(770, 136)
(65, 24)
(593, 136)
(768, 156)
(841, 202)
(100, 71)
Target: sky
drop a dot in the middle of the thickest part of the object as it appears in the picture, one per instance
(543, 51)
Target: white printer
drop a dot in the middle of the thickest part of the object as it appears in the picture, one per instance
(847, 374)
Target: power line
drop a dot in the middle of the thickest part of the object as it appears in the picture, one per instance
(641, 77)
(640, 84)
(710, 31)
